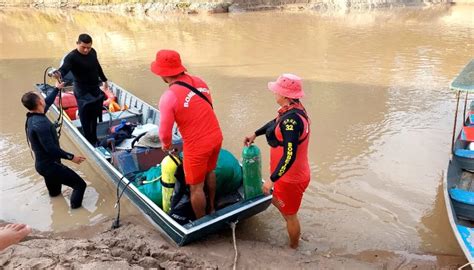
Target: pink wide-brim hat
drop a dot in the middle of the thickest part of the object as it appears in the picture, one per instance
(287, 85)
(167, 63)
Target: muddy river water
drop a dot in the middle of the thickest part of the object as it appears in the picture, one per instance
(376, 88)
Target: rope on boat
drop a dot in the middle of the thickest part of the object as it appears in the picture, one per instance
(116, 222)
(233, 225)
(467, 264)
(59, 122)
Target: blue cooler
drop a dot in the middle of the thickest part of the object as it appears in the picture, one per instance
(124, 162)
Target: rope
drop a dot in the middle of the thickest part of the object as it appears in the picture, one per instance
(59, 122)
(44, 75)
(469, 263)
(28, 139)
(116, 222)
(233, 225)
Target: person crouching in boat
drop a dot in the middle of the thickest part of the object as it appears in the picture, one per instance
(43, 139)
(188, 102)
(288, 136)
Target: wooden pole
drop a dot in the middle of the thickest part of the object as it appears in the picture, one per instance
(464, 114)
(455, 120)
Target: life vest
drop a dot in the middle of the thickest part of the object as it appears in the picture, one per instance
(111, 102)
(299, 171)
(115, 107)
(69, 104)
(169, 166)
(270, 134)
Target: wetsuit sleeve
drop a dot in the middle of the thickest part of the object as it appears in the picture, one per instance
(50, 99)
(291, 128)
(167, 107)
(49, 144)
(66, 66)
(263, 129)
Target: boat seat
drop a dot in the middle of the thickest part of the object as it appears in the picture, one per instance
(467, 133)
(467, 235)
(465, 153)
(470, 118)
(115, 116)
(462, 196)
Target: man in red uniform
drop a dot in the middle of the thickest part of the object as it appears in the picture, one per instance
(288, 136)
(188, 102)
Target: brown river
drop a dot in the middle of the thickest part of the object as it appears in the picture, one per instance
(376, 88)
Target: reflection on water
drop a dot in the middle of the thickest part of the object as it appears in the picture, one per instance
(375, 88)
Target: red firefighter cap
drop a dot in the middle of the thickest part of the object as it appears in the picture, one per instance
(167, 63)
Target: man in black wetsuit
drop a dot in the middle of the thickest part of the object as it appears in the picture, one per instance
(88, 75)
(43, 140)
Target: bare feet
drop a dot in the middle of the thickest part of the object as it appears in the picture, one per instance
(12, 234)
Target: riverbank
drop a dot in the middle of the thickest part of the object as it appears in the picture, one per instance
(138, 245)
(221, 6)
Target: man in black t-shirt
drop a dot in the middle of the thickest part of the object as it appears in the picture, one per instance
(88, 75)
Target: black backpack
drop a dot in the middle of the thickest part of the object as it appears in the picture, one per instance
(181, 208)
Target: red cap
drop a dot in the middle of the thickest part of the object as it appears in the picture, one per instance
(167, 63)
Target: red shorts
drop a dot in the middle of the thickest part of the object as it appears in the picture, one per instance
(287, 196)
(197, 164)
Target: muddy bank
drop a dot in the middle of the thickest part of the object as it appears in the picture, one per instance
(138, 245)
(99, 247)
(219, 6)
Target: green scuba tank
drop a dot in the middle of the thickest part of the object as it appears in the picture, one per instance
(252, 171)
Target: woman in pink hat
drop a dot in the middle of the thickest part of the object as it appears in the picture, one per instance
(288, 136)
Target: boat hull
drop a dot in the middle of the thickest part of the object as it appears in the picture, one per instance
(180, 235)
(463, 230)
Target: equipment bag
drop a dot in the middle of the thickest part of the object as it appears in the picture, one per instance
(151, 185)
(181, 209)
(228, 174)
